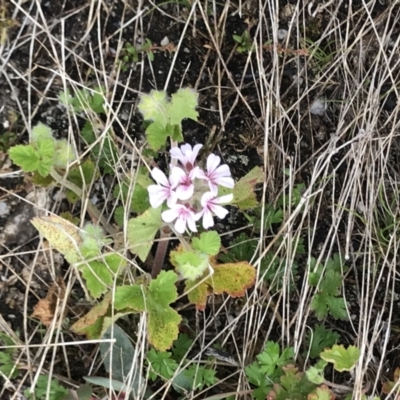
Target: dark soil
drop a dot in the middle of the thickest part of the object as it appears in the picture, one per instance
(238, 138)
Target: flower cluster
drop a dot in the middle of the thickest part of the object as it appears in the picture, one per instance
(190, 192)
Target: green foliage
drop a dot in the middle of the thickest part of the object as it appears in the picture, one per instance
(181, 346)
(208, 243)
(244, 42)
(195, 377)
(166, 115)
(118, 356)
(81, 176)
(43, 153)
(328, 280)
(142, 230)
(292, 385)
(42, 392)
(105, 153)
(7, 363)
(268, 368)
(130, 53)
(190, 265)
(84, 100)
(315, 373)
(139, 197)
(161, 364)
(341, 358)
(163, 321)
(319, 339)
(7, 140)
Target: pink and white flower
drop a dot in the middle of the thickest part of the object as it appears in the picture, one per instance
(216, 174)
(182, 215)
(165, 188)
(211, 205)
(186, 155)
(185, 188)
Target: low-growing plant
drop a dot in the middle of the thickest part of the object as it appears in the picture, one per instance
(244, 43)
(276, 376)
(131, 53)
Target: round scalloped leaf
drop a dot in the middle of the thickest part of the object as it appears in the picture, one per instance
(61, 234)
(232, 278)
(208, 243)
(153, 106)
(342, 359)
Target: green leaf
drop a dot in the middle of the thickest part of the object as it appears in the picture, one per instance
(41, 132)
(199, 377)
(154, 106)
(341, 358)
(100, 275)
(119, 215)
(63, 154)
(321, 393)
(142, 230)
(46, 151)
(181, 346)
(26, 157)
(81, 175)
(319, 339)
(118, 359)
(161, 364)
(191, 265)
(315, 373)
(157, 135)
(208, 243)
(132, 296)
(183, 105)
(163, 320)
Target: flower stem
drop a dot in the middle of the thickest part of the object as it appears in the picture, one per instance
(161, 251)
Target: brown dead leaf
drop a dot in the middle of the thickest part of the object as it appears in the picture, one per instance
(46, 309)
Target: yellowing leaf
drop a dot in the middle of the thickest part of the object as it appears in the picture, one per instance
(142, 230)
(61, 234)
(243, 192)
(232, 278)
(342, 359)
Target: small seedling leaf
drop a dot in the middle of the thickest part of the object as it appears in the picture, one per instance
(232, 278)
(341, 358)
(26, 157)
(41, 132)
(321, 393)
(154, 106)
(142, 230)
(190, 265)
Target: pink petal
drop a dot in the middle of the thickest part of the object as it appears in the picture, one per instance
(205, 199)
(159, 177)
(195, 152)
(176, 176)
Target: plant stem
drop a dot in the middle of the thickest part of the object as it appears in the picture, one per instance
(91, 208)
(161, 251)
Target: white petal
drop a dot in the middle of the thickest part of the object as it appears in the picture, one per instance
(172, 199)
(180, 225)
(212, 163)
(208, 220)
(157, 195)
(195, 152)
(225, 181)
(185, 148)
(169, 215)
(184, 192)
(219, 211)
(159, 177)
(222, 170)
(200, 174)
(176, 176)
(191, 223)
(177, 153)
(224, 199)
